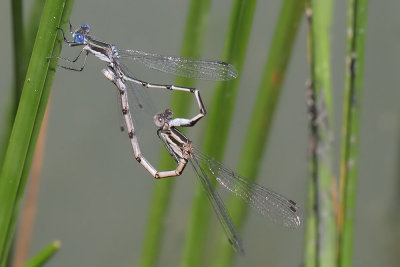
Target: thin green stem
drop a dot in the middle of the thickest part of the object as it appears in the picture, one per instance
(220, 115)
(356, 29)
(43, 256)
(191, 47)
(321, 226)
(27, 122)
(263, 113)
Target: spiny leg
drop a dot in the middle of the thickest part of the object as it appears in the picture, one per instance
(73, 61)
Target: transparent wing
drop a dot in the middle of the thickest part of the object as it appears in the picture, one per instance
(268, 203)
(186, 67)
(218, 206)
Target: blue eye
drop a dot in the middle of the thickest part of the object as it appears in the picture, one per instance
(79, 38)
(86, 27)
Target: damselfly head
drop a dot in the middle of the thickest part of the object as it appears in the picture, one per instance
(164, 117)
(79, 34)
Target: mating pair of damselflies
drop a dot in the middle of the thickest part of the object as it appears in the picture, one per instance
(268, 203)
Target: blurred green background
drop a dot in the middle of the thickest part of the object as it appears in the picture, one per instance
(94, 197)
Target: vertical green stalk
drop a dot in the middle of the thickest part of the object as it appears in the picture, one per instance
(321, 227)
(311, 238)
(356, 29)
(27, 123)
(220, 115)
(191, 47)
(43, 256)
(263, 112)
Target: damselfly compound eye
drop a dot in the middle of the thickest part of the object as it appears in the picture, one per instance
(158, 120)
(79, 38)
